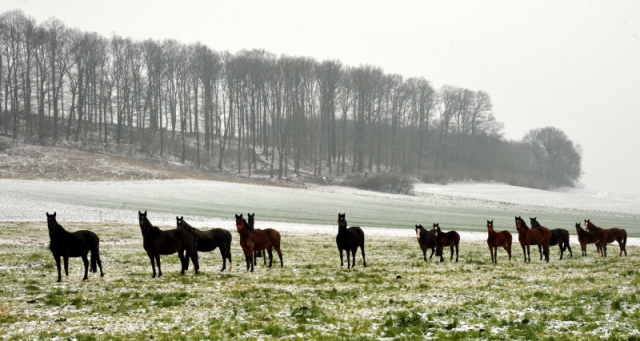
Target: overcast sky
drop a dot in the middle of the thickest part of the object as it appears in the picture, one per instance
(574, 65)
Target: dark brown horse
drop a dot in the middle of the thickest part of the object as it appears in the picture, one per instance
(528, 237)
(559, 237)
(67, 244)
(349, 239)
(257, 240)
(256, 254)
(451, 239)
(158, 242)
(209, 240)
(496, 240)
(607, 236)
(586, 237)
(427, 240)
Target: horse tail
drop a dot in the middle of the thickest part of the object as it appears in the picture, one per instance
(625, 238)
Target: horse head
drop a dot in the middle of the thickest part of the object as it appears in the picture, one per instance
(436, 227)
(520, 224)
(578, 228)
(342, 221)
(181, 224)
(240, 223)
(52, 223)
(252, 221)
(419, 229)
(490, 225)
(588, 225)
(143, 221)
(534, 222)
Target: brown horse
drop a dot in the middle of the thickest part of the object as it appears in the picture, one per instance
(528, 237)
(606, 236)
(427, 240)
(497, 239)
(451, 239)
(585, 237)
(257, 240)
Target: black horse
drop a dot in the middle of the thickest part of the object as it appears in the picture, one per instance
(208, 241)
(451, 239)
(256, 254)
(157, 242)
(73, 244)
(349, 239)
(559, 237)
(427, 240)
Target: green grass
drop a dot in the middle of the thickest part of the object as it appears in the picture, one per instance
(312, 297)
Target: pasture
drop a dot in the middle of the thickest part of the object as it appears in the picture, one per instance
(397, 296)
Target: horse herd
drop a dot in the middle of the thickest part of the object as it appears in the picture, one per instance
(187, 241)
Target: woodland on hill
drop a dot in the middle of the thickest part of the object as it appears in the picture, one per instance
(253, 112)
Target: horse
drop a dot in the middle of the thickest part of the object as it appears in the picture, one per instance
(256, 254)
(451, 238)
(210, 240)
(427, 240)
(608, 236)
(559, 237)
(497, 239)
(528, 237)
(73, 244)
(252, 240)
(158, 242)
(585, 237)
(349, 239)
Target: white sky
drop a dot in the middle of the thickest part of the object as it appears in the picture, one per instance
(573, 64)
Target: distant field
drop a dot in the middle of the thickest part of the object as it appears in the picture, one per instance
(460, 207)
(397, 297)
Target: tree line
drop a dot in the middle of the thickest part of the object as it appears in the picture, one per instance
(253, 111)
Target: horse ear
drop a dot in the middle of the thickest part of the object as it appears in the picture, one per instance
(54, 214)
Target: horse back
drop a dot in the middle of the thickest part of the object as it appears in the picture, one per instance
(171, 241)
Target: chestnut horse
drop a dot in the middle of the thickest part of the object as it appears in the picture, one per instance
(427, 240)
(497, 239)
(257, 240)
(586, 237)
(559, 237)
(608, 236)
(451, 239)
(528, 237)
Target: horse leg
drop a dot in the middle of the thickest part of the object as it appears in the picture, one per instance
(561, 250)
(228, 248)
(264, 258)
(65, 259)
(270, 252)
(194, 260)
(224, 258)
(182, 261)
(440, 251)
(95, 259)
(280, 256)
(451, 251)
(341, 261)
(546, 252)
(57, 258)
(540, 250)
(508, 248)
(491, 252)
(529, 252)
(433, 250)
(158, 263)
(524, 251)
(348, 259)
(364, 260)
(85, 261)
(153, 264)
(353, 257)
(424, 254)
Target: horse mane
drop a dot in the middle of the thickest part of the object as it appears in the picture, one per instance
(246, 225)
